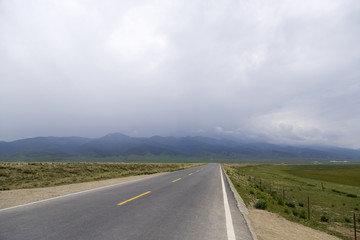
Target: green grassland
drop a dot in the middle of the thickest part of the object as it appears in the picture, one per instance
(343, 174)
(45, 174)
(333, 190)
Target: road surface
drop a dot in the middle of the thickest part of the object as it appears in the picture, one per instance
(190, 204)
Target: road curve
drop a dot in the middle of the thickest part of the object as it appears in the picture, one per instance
(190, 204)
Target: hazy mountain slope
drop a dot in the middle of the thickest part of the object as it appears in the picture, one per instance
(43, 146)
(117, 144)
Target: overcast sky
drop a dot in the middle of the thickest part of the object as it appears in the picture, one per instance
(276, 71)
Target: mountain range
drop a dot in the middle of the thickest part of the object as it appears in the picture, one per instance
(117, 144)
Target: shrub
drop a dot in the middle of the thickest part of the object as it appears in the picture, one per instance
(280, 201)
(261, 204)
(251, 192)
(337, 191)
(295, 212)
(356, 209)
(273, 195)
(347, 220)
(324, 218)
(286, 211)
(351, 195)
(301, 204)
(303, 214)
(290, 204)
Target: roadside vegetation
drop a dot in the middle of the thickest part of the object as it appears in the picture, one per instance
(45, 174)
(333, 192)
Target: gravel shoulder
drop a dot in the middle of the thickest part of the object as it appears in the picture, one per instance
(17, 197)
(271, 226)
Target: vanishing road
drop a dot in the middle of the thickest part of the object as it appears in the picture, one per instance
(190, 204)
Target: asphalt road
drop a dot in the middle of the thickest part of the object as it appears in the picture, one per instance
(187, 204)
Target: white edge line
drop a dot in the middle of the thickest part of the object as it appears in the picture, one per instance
(75, 193)
(229, 224)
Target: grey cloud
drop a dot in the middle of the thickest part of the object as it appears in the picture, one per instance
(280, 71)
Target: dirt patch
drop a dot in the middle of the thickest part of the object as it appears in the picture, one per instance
(21, 196)
(343, 230)
(271, 226)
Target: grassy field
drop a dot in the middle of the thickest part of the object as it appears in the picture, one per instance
(33, 175)
(333, 191)
(343, 174)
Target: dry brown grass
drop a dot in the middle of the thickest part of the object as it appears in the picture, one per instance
(45, 174)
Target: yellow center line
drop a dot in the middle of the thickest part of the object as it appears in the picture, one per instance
(190, 174)
(176, 180)
(133, 198)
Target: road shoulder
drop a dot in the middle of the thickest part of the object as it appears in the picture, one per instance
(241, 206)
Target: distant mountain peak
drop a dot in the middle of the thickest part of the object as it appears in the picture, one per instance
(116, 136)
(156, 136)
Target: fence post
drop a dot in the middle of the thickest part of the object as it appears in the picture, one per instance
(283, 194)
(308, 208)
(354, 226)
